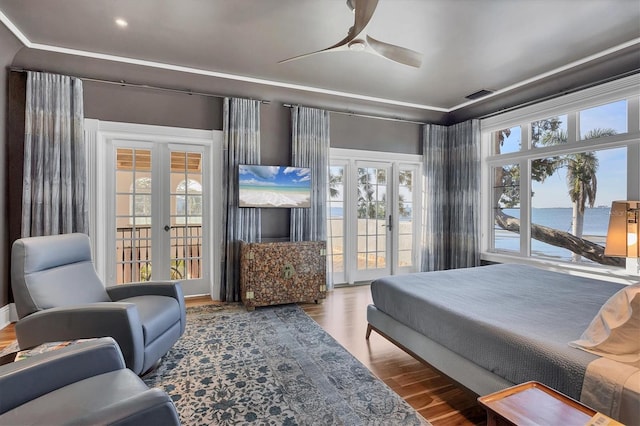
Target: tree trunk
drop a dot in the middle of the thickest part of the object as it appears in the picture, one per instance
(577, 226)
(591, 251)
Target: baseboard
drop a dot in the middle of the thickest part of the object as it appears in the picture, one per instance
(7, 315)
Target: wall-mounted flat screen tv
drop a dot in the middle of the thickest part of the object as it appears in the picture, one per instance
(274, 186)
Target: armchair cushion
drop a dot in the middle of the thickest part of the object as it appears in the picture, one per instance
(158, 288)
(157, 314)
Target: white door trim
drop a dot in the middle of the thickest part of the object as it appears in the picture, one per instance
(99, 134)
(348, 159)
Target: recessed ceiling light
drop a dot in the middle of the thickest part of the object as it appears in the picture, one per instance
(121, 22)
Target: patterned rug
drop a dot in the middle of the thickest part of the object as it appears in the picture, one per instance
(271, 366)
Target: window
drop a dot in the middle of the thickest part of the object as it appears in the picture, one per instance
(551, 172)
(140, 202)
(336, 220)
(189, 202)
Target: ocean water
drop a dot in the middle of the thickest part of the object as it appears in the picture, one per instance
(596, 223)
(596, 220)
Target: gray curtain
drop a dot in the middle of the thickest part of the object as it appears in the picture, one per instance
(54, 195)
(241, 128)
(435, 251)
(452, 196)
(464, 199)
(310, 148)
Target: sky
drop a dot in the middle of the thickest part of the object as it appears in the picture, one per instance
(612, 170)
(274, 176)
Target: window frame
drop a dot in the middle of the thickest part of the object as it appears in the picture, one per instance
(623, 89)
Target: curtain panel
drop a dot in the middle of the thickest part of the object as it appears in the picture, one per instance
(241, 129)
(435, 247)
(464, 199)
(310, 148)
(451, 196)
(54, 195)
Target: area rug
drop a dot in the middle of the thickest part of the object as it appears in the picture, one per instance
(271, 366)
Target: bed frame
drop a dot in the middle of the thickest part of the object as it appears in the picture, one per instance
(463, 371)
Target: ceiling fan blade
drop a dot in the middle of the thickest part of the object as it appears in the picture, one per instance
(364, 11)
(395, 53)
(335, 48)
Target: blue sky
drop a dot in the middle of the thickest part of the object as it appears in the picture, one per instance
(275, 176)
(612, 170)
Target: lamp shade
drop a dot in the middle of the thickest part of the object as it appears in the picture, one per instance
(623, 234)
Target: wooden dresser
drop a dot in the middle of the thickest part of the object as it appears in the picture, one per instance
(282, 272)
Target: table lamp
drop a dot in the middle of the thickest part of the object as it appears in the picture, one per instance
(623, 236)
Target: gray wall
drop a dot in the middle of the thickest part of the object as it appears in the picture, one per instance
(375, 135)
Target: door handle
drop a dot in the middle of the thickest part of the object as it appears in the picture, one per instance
(389, 225)
(167, 228)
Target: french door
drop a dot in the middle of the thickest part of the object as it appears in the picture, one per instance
(157, 210)
(373, 218)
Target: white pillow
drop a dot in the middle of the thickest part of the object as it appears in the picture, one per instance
(614, 333)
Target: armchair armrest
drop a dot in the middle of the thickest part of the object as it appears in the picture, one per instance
(118, 320)
(156, 288)
(152, 407)
(35, 376)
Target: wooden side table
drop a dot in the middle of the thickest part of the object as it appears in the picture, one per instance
(533, 403)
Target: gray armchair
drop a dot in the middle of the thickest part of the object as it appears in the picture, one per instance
(86, 383)
(59, 296)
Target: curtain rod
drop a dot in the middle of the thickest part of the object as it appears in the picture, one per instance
(139, 85)
(355, 114)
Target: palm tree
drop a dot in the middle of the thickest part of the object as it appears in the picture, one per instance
(583, 185)
(335, 179)
(581, 177)
(405, 178)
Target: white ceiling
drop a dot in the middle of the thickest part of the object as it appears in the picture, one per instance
(467, 45)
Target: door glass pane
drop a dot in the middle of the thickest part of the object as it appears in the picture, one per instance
(406, 217)
(371, 218)
(336, 218)
(186, 215)
(133, 215)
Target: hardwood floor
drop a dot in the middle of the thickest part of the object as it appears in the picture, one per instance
(343, 315)
(436, 397)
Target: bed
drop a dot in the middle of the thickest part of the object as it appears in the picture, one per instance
(494, 326)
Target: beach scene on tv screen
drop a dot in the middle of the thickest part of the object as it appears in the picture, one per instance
(274, 186)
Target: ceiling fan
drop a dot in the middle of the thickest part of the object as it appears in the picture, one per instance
(358, 40)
